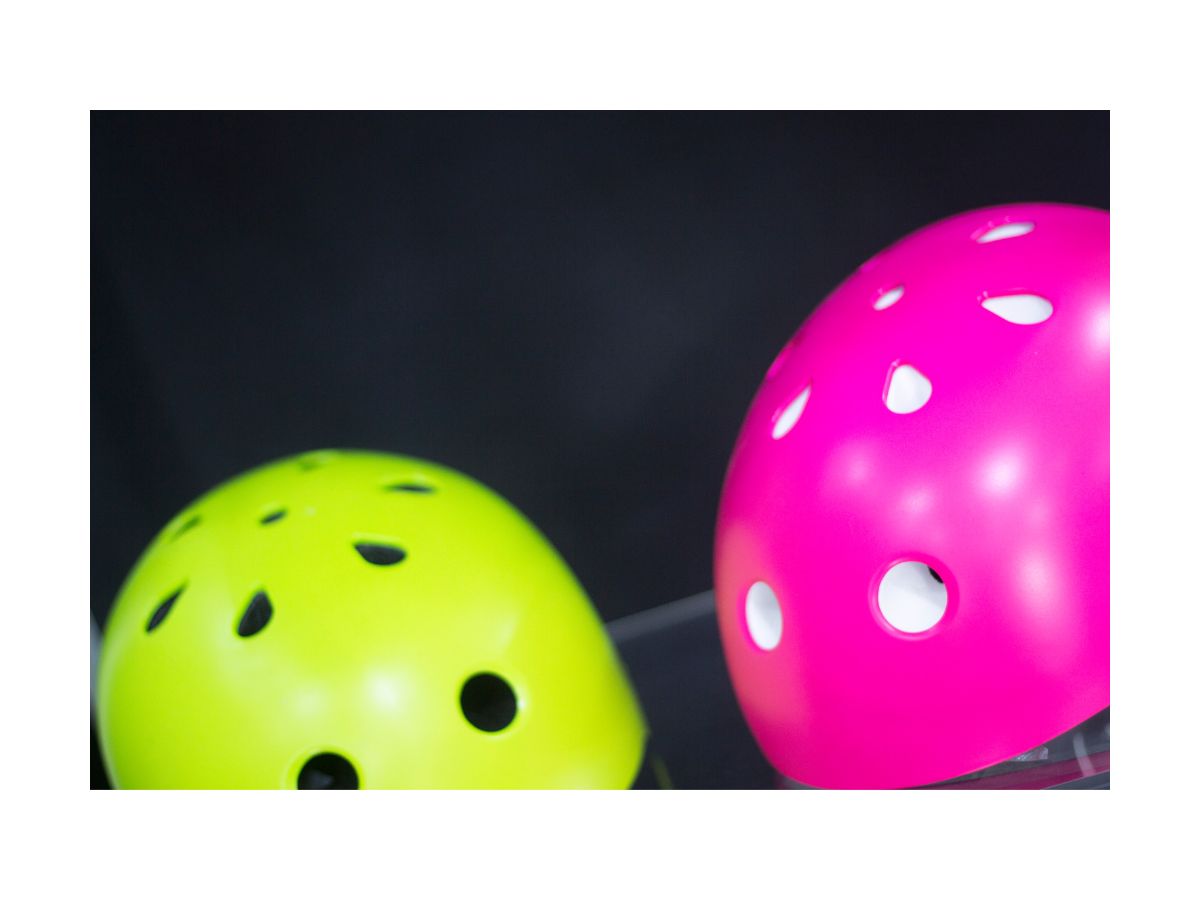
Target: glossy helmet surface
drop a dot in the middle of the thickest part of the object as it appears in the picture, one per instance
(913, 540)
(347, 619)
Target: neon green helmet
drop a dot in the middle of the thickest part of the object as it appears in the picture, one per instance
(353, 619)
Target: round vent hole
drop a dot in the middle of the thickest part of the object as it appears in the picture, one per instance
(488, 702)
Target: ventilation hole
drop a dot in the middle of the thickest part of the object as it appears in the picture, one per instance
(313, 461)
(160, 612)
(488, 702)
(257, 615)
(380, 554)
(889, 298)
(779, 360)
(907, 390)
(410, 487)
(764, 618)
(1007, 230)
(1020, 309)
(272, 517)
(870, 263)
(327, 772)
(912, 597)
(185, 527)
(788, 416)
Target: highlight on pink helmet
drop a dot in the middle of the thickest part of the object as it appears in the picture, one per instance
(912, 548)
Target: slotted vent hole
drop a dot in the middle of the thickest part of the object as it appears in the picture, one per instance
(780, 360)
(258, 613)
(314, 461)
(160, 611)
(380, 554)
(1004, 231)
(185, 527)
(1020, 309)
(410, 487)
(907, 389)
(787, 417)
(889, 298)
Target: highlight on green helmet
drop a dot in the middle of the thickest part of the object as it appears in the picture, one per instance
(349, 619)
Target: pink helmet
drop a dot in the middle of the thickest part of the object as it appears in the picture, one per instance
(912, 545)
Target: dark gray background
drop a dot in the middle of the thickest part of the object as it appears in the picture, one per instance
(573, 308)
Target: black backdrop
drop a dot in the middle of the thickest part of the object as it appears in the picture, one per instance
(573, 308)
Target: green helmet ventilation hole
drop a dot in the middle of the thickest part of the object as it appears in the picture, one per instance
(327, 772)
(160, 612)
(185, 527)
(488, 702)
(257, 615)
(380, 554)
(410, 487)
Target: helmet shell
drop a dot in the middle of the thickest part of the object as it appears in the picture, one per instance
(391, 583)
(990, 468)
